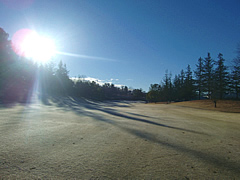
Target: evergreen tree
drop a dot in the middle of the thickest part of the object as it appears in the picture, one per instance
(167, 87)
(235, 75)
(46, 77)
(16, 75)
(208, 75)
(221, 77)
(199, 77)
(125, 90)
(181, 90)
(176, 88)
(189, 89)
(138, 94)
(4, 58)
(62, 71)
(64, 85)
(5, 46)
(170, 88)
(153, 93)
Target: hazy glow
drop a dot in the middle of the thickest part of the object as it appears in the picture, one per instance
(31, 45)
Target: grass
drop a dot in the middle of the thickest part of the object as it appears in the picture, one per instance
(222, 105)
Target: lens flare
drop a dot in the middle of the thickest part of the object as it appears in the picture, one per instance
(17, 4)
(17, 40)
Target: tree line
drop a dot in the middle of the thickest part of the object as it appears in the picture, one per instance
(21, 77)
(56, 81)
(211, 79)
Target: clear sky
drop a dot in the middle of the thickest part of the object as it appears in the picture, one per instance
(129, 42)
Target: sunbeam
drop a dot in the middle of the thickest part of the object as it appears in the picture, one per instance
(85, 56)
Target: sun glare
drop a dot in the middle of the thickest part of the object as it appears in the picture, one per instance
(31, 45)
(38, 48)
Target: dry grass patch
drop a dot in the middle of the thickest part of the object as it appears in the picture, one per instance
(222, 105)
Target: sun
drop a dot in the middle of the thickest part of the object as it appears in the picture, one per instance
(33, 46)
(38, 48)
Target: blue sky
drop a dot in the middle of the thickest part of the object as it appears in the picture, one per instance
(131, 42)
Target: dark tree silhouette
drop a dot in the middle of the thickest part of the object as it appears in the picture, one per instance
(138, 94)
(16, 74)
(189, 89)
(166, 87)
(46, 79)
(19, 76)
(208, 75)
(235, 74)
(63, 84)
(199, 77)
(5, 46)
(181, 90)
(153, 93)
(221, 77)
(177, 88)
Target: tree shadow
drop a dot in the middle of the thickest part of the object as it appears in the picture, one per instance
(81, 108)
(44, 99)
(140, 115)
(210, 158)
(117, 103)
(94, 110)
(77, 105)
(115, 113)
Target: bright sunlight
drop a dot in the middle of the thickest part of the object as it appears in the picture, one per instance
(31, 45)
(38, 48)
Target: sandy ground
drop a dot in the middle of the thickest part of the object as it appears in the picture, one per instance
(69, 139)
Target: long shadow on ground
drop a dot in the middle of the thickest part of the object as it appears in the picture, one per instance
(78, 106)
(74, 104)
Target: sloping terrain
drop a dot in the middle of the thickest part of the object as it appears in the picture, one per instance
(70, 138)
(221, 105)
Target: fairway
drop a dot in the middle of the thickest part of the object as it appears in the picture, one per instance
(68, 138)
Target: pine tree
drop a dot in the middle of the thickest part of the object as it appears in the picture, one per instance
(47, 79)
(17, 75)
(167, 87)
(62, 71)
(221, 77)
(181, 89)
(235, 75)
(208, 75)
(153, 94)
(176, 88)
(5, 46)
(189, 90)
(64, 85)
(199, 77)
